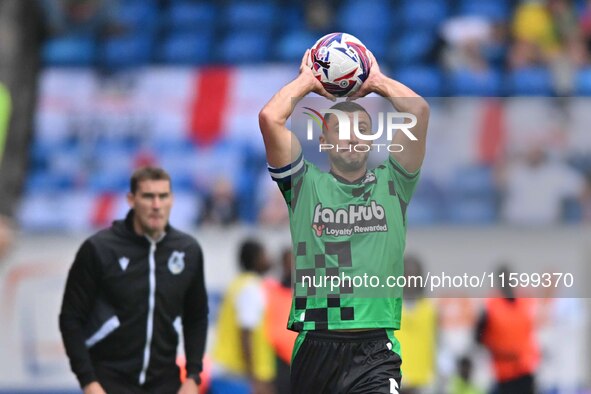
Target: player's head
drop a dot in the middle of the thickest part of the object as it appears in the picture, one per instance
(150, 197)
(253, 257)
(413, 268)
(347, 154)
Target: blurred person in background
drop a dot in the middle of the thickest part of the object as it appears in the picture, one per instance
(220, 206)
(506, 328)
(128, 292)
(272, 212)
(279, 295)
(535, 187)
(461, 383)
(243, 358)
(418, 332)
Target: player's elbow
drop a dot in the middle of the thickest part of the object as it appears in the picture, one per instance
(266, 119)
(422, 109)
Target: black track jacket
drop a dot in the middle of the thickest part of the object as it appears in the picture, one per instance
(124, 299)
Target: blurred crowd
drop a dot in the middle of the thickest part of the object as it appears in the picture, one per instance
(505, 344)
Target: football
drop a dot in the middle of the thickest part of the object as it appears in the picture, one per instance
(341, 62)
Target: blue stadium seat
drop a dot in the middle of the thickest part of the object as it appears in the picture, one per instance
(245, 47)
(136, 15)
(191, 16)
(377, 43)
(412, 47)
(423, 14)
(470, 83)
(474, 181)
(425, 80)
(494, 10)
(186, 48)
(127, 51)
(358, 17)
(291, 47)
(530, 81)
(583, 82)
(69, 51)
(472, 211)
(244, 15)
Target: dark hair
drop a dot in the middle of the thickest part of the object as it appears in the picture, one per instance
(145, 174)
(346, 106)
(250, 250)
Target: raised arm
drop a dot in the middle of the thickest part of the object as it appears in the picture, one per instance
(282, 146)
(403, 99)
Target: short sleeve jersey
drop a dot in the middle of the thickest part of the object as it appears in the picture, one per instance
(348, 241)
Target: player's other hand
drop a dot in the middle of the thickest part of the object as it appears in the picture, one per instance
(94, 388)
(308, 77)
(189, 387)
(373, 83)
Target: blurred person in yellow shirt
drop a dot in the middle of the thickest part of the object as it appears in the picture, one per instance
(243, 358)
(418, 333)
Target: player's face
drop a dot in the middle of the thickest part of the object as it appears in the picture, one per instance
(348, 154)
(151, 203)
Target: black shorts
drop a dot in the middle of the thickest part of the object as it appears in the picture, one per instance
(329, 362)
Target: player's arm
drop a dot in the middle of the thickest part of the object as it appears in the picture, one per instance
(403, 99)
(282, 147)
(195, 311)
(78, 301)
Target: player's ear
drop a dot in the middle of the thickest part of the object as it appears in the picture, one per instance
(322, 139)
(130, 201)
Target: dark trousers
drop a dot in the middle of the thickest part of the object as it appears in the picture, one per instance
(522, 385)
(116, 383)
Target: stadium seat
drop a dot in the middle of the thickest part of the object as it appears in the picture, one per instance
(530, 81)
(126, 51)
(474, 181)
(472, 211)
(471, 83)
(583, 82)
(373, 20)
(245, 47)
(425, 80)
(253, 16)
(185, 15)
(69, 51)
(493, 10)
(423, 14)
(413, 47)
(192, 48)
(377, 43)
(291, 47)
(136, 15)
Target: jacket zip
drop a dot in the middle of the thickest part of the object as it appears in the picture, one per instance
(151, 305)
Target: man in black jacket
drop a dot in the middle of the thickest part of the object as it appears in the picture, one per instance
(128, 293)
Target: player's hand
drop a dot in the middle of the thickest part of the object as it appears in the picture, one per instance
(309, 78)
(94, 388)
(189, 387)
(373, 83)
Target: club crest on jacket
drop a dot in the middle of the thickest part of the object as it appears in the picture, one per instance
(176, 262)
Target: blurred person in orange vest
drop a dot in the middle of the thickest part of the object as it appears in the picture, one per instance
(506, 329)
(418, 332)
(243, 359)
(279, 303)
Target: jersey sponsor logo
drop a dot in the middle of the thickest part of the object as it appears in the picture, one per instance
(123, 262)
(176, 262)
(355, 219)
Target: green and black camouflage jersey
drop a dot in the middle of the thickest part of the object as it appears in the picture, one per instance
(344, 230)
